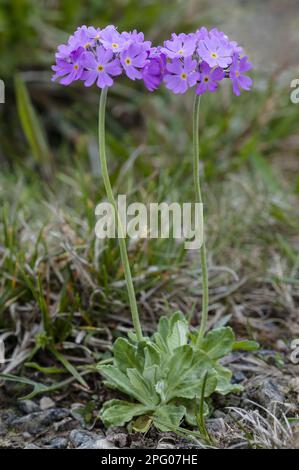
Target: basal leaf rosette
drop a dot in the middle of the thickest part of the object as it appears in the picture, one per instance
(165, 376)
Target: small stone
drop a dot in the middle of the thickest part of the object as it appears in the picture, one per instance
(3, 428)
(31, 446)
(266, 393)
(215, 425)
(79, 438)
(58, 443)
(238, 377)
(118, 436)
(27, 407)
(46, 403)
(104, 444)
(165, 445)
(34, 423)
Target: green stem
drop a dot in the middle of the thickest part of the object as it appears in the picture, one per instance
(203, 257)
(122, 241)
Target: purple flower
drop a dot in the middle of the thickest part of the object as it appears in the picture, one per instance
(70, 71)
(182, 74)
(154, 70)
(233, 45)
(209, 78)
(111, 39)
(136, 37)
(215, 50)
(236, 74)
(181, 45)
(100, 67)
(82, 38)
(64, 51)
(201, 33)
(132, 59)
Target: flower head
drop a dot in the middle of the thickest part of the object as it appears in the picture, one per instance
(237, 74)
(212, 57)
(181, 74)
(209, 78)
(96, 56)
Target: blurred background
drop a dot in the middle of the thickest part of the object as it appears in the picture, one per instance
(57, 281)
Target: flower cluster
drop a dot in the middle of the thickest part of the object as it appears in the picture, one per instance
(95, 55)
(203, 59)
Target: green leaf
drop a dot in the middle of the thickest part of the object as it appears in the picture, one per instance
(152, 355)
(192, 407)
(218, 342)
(193, 388)
(143, 389)
(38, 388)
(120, 412)
(172, 332)
(118, 380)
(224, 385)
(69, 367)
(142, 423)
(167, 416)
(246, 345)
(163, 327)
(178, 366)
(125, 355)
(178, 336)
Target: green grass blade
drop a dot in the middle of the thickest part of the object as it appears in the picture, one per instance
(32, 128)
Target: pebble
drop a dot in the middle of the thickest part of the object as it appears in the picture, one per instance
(34, 423)
(267, 393)
(165, 445)
(59, 443)
(78, 438)
(27, 407)
(118, 436)
(46, 403)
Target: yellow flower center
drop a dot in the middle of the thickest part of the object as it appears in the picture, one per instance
(76, 67)
(206, 79)
(87, 45)
(128, 61)
(184, 76)
(114, 45)
(100, 68)
(237, 73)
(181, 52)
(214, 55)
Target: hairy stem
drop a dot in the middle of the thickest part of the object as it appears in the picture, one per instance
(110, 196)
(203, 257)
